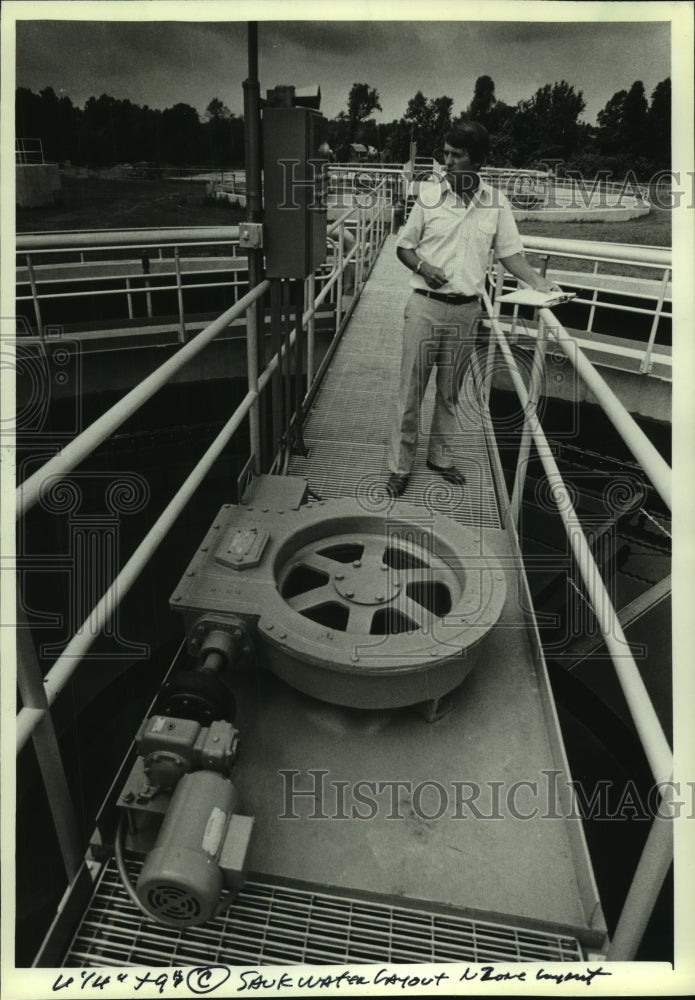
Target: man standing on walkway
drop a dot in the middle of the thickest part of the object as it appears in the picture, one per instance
(446, 242)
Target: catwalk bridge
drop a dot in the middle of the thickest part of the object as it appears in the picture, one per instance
(431, 887)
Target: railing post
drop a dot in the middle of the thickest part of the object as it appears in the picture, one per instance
(341, 275)
(361, 240)
(491, 347)
(646, 365)
(252, 377)
(311, 328)
(35, 295)
(179, 296)
(594, 300)
(646, 884)
(129, 297)
(30, 684)
(534, 394)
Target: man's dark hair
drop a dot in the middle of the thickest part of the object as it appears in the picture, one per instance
(471, 136)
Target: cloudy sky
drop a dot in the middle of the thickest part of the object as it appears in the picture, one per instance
(151, 58)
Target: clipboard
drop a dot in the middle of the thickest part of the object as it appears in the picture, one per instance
(532, 297)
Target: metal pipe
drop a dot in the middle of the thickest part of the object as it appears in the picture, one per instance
(35, 295)
(30, 490)
(310, 329)
(130, 299)
(287, 361)
(254, 190)
(31, 689)
(646, 365)
(252, 376)
(635, 438)
(537, 376)
(655, 256)
(125, 238)
(648, 727)
(299, 363)
(179, 296)
(647, 881)
(275, 347)
(66, 664)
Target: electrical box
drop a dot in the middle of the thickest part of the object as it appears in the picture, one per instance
(295, 176)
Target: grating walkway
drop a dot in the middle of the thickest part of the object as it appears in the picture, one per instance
(272, 924)
(348, 428)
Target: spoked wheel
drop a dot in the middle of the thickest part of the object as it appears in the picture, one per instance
(369, 585)
(374, 611)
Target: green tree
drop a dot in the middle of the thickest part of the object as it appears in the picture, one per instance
(428, 120)
(220, 133)
(362, 101)
(610, 124)
(484, 100)
(659, 119)
(546, 126)
(634, 123)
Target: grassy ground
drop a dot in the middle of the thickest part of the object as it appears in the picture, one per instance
(648, 230)
(96, 203)
(652, 230)
(101, 203)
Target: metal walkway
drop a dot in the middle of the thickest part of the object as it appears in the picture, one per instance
(509, 873)
(347, 431)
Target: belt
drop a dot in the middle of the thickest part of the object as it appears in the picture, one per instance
(451, 298)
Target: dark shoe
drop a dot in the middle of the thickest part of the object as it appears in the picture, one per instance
(396, 485)
(450, 473)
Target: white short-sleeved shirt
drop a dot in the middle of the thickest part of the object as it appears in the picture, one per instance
(457, 237)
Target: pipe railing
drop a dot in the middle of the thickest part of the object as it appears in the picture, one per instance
(628, 258)
(29, 492)
(191, 279)
(658, 851)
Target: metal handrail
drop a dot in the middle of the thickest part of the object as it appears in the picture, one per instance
(77, 450)
(658, 851)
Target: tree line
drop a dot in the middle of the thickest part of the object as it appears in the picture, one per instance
(109, 131)
(632, 133)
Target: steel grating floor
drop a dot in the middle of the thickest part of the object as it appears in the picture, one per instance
(347, 430)
(272, 924)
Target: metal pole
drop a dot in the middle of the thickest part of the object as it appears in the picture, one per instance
(646, 721)
(299, 365)
(179, 295)
(341, 274)
(66, 664)
(635, 438)
(29, 491)
(31, 688)
(646, 365)
(252, 375)
(537, 376)
(646, 884)
(311, 329)
(35, 295)
(130, 298)
(286, 360)
(254, 195)
(275, 347)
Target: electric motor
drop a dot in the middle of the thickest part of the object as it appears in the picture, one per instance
(182, 881)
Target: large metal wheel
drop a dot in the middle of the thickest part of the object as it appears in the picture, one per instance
(375, 611)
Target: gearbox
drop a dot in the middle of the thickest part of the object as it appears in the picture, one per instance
(357, 608)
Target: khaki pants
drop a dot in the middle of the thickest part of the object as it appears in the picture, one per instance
(433, 333)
